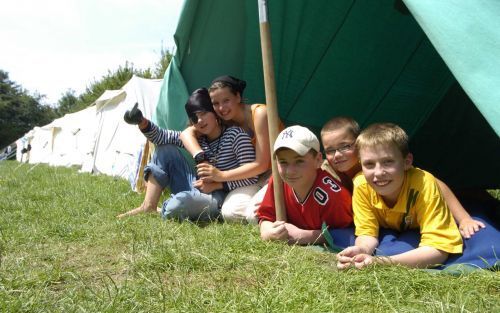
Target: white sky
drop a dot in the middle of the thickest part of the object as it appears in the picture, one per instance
(50, 46)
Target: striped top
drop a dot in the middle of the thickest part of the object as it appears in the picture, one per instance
(232, 149)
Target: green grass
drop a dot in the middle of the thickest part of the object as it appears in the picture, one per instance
(63, 250)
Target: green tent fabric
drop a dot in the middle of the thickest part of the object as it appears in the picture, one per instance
(366, 59)
(467, 36)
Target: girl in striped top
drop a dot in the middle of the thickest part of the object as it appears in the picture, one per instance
(224, 148)
(226, 93)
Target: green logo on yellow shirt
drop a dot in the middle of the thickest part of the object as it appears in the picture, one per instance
(410, 202)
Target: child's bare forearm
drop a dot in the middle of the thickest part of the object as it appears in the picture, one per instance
(456, 208)
(420, 257)
(366, 243)
(305, 236)
(189, 140)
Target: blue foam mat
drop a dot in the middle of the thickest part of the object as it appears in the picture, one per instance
(482, 250)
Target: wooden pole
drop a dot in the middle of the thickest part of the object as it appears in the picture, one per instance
(272, 105)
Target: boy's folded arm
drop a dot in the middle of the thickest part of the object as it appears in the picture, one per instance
(420, 257)
(273, 230)
(301, 236)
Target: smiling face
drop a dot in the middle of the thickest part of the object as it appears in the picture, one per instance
(384, 168)
(227, 105)
(298, 171)
(340, 150)
(206, 124)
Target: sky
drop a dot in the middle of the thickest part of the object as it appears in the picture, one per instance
(52, 46)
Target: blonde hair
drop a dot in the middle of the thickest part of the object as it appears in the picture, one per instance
(341, 122)
(380, 134)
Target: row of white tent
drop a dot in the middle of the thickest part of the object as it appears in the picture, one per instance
(96, 139)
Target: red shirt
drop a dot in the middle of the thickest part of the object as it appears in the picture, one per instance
(326, 202)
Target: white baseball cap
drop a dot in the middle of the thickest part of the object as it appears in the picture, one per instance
(297, 138)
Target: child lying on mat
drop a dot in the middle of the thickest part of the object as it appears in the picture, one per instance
(393, 194)
(338, 136)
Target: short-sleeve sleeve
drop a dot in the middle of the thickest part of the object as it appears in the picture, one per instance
(365, 220)
(437, 227)
(266, 210)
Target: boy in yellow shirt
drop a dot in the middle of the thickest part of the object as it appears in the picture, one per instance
(393, 194)
(338, 136)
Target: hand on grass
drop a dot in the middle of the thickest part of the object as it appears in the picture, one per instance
(278, 231)
(362, 260)
(345, 257)
(468, 227)
(294, 233)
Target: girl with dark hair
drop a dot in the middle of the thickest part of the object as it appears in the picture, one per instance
(226, 93)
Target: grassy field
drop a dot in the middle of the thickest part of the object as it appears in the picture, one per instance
(63, 250)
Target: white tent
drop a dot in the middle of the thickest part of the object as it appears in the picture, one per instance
(40, 140)
(73, 138)
(67, 141)
(22, 144)
(118, 145)
(96, 138)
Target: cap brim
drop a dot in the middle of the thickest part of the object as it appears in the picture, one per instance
(299, 148)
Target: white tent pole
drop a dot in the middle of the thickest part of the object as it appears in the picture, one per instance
(272, 106)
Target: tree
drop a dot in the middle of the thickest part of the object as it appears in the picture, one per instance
(112, 80)
(67, 103)
(19, 111)
(162, 65)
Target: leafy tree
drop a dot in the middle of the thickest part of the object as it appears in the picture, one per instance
(67, 103)
(112, 80)
(162, 65)
(19, 111)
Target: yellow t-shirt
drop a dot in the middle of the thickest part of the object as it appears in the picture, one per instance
(420, 205)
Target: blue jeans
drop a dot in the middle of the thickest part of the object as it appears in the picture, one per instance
(170, 169)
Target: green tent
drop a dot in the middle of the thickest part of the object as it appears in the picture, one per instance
(430, 66)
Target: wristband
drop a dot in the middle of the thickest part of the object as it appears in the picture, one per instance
(200, 157)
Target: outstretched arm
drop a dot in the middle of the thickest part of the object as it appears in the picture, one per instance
(421, 257)
(364, 245)
(466, 224)
(361, 256)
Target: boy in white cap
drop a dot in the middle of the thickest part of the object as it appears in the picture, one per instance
(311, 195)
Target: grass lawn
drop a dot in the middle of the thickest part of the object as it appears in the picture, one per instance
(63, 250)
